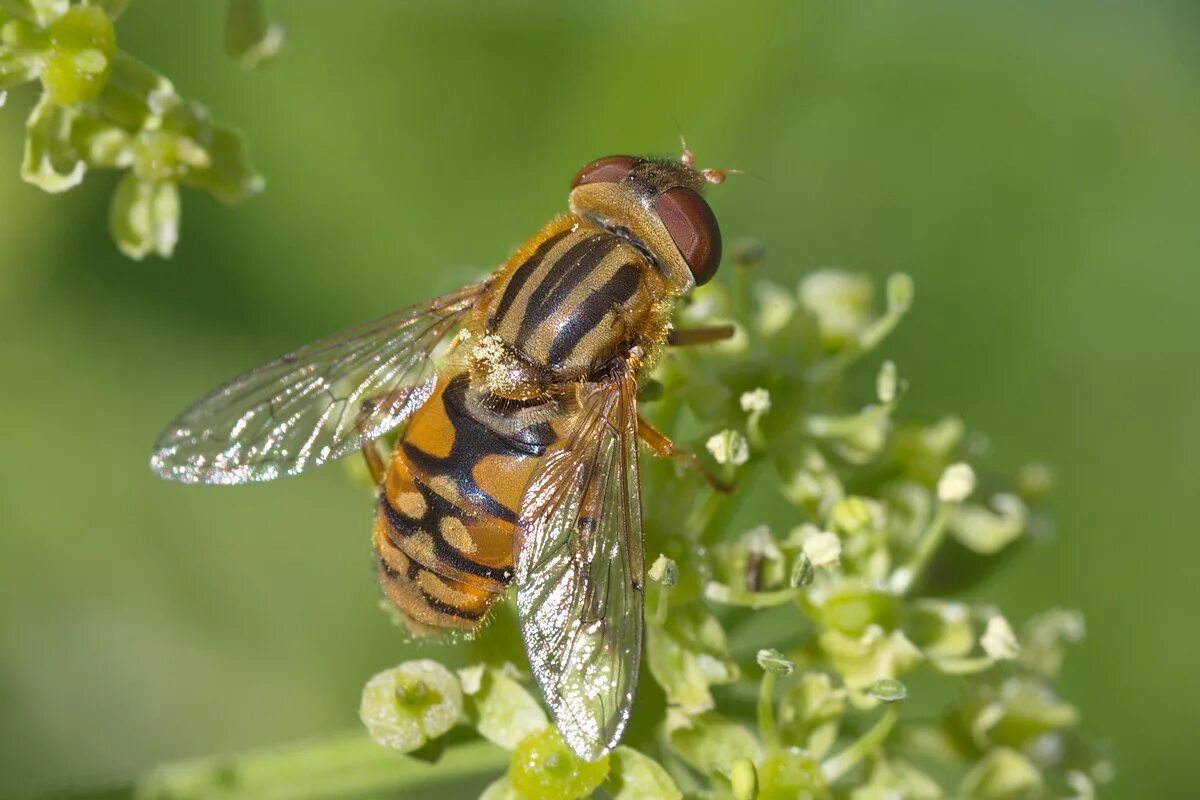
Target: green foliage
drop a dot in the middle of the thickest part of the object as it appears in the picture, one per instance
(103, 109)
(882, 506)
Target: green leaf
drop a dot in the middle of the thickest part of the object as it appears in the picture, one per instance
(688, 655)
(502, 710)
(405, 707)
(144, 217)
(633, 776)
(709, 743)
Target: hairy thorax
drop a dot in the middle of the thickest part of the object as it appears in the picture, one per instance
(569, 302)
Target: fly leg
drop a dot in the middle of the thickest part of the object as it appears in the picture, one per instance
(370, 448)
(660, 445)
(686, 337)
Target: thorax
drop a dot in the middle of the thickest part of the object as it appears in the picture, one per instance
(571, 299)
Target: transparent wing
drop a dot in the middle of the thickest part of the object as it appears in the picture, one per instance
(579, 571)
(313, 405)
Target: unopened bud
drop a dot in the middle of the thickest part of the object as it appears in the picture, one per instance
(802, 572)
(885, 384)
(889, 690)
(998, 640)
(899, 292)
(729, 447)
(664, 571)
(774, 662)
(956, 483)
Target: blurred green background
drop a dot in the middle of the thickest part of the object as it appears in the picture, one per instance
(1034, 165)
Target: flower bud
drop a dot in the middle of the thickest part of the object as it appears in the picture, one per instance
(998, 640)
(729, 447)
(889, 690)
(885, 383)
(665, 571)
(773, 661)
(956, 483)
(823, 549)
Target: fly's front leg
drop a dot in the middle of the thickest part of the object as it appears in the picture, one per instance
(660, 445)
(685, 337)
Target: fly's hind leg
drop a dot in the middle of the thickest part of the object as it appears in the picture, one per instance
(370, 447)
(686, 337)
(660, 445)
(370, 450)
(396, 399)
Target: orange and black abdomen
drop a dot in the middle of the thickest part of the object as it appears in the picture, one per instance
(448, 508)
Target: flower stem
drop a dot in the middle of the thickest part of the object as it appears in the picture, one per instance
(766, 712)
(845, 761)
(661, 606)
(720, 593)
(337, 766)
(905, 577)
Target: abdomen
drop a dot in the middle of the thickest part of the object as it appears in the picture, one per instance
(448, 507)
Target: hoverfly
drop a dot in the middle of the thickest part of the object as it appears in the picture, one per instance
(519, 461)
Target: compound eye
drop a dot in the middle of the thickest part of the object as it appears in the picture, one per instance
(693, 228)
(609, 169)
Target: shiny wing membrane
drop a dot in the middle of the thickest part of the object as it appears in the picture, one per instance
(313, 405)
(579, 571)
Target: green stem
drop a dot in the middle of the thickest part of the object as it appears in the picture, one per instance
(766, 712)
(835, 365)
(830, 426)
(348, 765)
(720, 593)
(926, 547)
(845, 761)
(661, 606)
